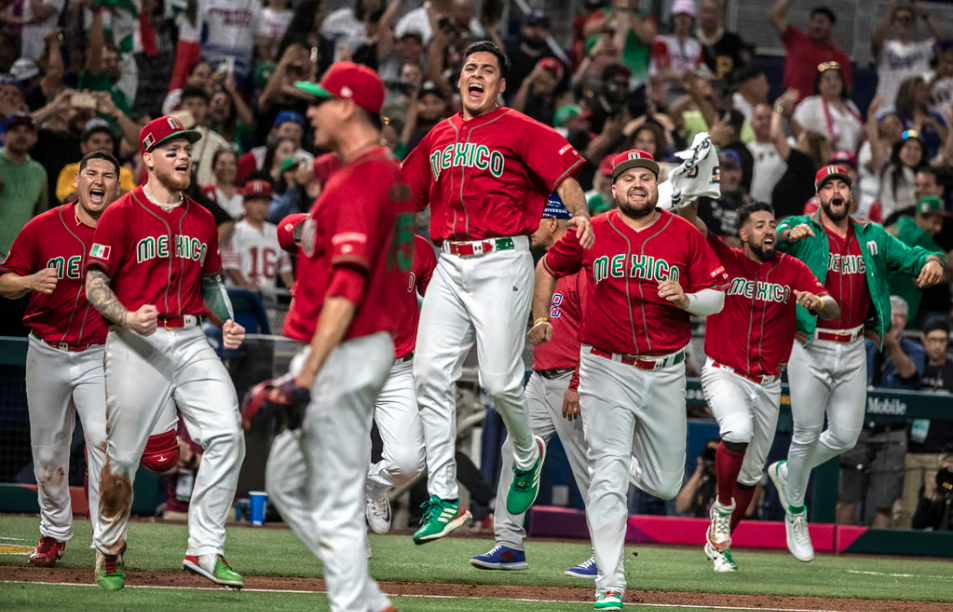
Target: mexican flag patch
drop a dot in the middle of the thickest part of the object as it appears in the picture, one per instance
(99, 251)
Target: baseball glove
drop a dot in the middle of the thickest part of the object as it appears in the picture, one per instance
(278, 403)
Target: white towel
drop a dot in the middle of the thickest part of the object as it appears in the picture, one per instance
(698, 175)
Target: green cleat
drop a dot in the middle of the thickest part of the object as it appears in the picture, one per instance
(215, 568)
(610, 600)
(440, 518)
(110, 575)
(525, 484)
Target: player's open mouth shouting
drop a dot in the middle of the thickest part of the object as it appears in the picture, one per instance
(837, 202)
(475, 90)
(96, 195)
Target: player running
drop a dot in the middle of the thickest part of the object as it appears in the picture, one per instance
(65, 355)
(553, 400)
(357, 246)
(747, 345)
(153, 270)
(828, 367)
(486, 173)
(648, 272)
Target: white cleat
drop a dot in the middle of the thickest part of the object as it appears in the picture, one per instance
(778, 471)
(723, 561)
(798, 535)
(377, 511)
(719, 531)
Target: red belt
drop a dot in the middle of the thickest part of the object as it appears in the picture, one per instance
(641, 362)
(177, 322)
(65, 346)
(479, 247)
(839, 338)
(761, 380)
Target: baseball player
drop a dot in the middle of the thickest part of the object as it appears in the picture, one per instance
(828, 367)
(747, 344)
(65, 354)
(553, 400)
(153, 270)
(486, 173)
(357, 247)
(648, 272)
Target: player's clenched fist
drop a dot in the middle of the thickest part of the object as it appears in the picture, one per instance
(143, 321)
(930, 274)
(672, 291)
(44, 281)
(233, 334)
(541, 332)
(809, 301)
(798, 233)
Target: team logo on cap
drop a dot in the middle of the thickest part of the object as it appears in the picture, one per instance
(148, 141)
(175, 124)
(257, 187)
(638, 155)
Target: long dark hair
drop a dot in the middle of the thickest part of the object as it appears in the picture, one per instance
(907, 97)
(270, 156)
(896, 166)
(302, 23)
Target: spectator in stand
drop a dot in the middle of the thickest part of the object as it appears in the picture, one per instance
(526, 54)
(753, 89)
(395, 53)
(229, 115)
(864, 206)
(726, 134)
(305, 31)
(599, 198)
(768, 166)
(276, 154)
(98, 138)
(898, 176)
(195, 101)
(224, 190)
(803, 160)
(830, 111)
(652, 135)
(275, 19)
(429, 110)
(721, 215)
(872, 472)
(11, 99)
(913, 108)
(708, 101)
(537, 95)
(42, 80)
(901, 58)
(632, 32)
(917, 230)
(928, 439)
(301, 189)
(200, 75)
(8, 52)
(677, 53)
(288, 125)
(103, 70)
(723, 52)
(941, 81)
(884, 128)
(591, 9)
(225, 33)
(255, 259)
(456, 13)
(279, 98)
(23, 181)
(40, 17)
(806, 51)
(347, 29)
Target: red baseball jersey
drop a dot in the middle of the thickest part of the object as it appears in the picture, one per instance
(488, 177)
(846, 281)
(565, 315)
(624, 267)
(363, 218)
(754, 332)
(57, 239)
(157, 257)
(425, 261)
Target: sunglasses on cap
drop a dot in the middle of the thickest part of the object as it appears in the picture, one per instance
(828, 66)
(910, 134)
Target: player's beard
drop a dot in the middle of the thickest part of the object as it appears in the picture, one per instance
(842, 209)
(761, 252)
(640, 210)
(172, 180)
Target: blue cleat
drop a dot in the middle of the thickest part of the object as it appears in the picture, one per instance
(501, 558)
(586, 569)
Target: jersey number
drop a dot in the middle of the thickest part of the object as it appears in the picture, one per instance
(400, 255)
(554, 309)
(269, 261)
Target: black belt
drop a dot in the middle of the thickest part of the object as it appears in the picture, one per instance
(554, 372)
(408, 357)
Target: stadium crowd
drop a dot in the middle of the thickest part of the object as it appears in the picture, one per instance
(86, 75)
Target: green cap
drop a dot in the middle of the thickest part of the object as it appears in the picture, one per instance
(289, 163)
(931, 205)
(564, 113)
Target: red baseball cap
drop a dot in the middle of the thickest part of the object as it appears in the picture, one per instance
(605, 166)
(162, 130)
(289, 231)
(347, 80)
(257, 189)
(633, 159)
(553, 65)
(828, 173)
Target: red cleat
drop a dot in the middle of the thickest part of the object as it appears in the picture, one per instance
(47, 552)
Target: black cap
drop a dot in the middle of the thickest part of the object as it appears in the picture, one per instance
(429, 87)
(536, 18)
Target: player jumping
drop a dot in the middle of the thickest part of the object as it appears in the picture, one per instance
(747, 344)
(648, 272)
(486, 173)
(828, 367)
(153, 271)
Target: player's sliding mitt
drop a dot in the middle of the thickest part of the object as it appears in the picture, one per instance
(278, 403)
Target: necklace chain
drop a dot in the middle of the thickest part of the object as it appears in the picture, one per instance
(165, 207)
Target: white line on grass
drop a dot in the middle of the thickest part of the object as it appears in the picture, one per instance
(551, 601)
(894, 575)
(14, 539)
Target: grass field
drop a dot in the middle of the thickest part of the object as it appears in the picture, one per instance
(267, 553)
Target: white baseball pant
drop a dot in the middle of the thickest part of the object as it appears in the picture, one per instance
(398, 420)
(146, 377)
(826, 377)
(60, 385)
(484, 299)
(544, 396)
(316, 475)
(633, 418)
(747, 412)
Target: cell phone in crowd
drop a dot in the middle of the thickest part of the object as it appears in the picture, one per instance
(85, 101)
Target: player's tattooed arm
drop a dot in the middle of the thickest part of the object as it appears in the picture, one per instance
(216, 298)
(102, 297)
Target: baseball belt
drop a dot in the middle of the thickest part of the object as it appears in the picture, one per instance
(840, 336)
(408, 357)
(478, 248)
(642, 362)
(759, 380)
(554, 372)
(70, 347)
(185, 321)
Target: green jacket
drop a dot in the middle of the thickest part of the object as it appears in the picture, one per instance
(909, 233)
(882, 254)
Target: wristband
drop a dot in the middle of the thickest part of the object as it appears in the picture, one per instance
(540, 320)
